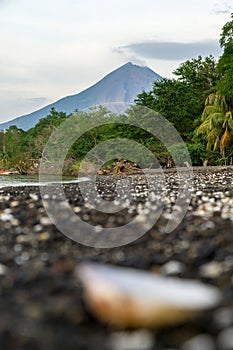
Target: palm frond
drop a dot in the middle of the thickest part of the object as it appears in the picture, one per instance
(210, 99)
(225, 139)
(216, 144)
(217, 122)
(207, 111)
(230, 124)
(203, 128)
(218, 118)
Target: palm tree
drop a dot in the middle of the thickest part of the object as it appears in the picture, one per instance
(217, 123)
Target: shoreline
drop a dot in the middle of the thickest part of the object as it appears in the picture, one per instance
(164, 169)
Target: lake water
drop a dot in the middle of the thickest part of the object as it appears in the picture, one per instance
(33, 180)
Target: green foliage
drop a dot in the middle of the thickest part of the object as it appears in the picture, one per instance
(200, 73)
(174, 101)
(37, 137)
(24, 149)
(217, 123)
(197, 153)
(179, 153)
(181, 100)
(226, 38)
(115, 127)
(225, 64)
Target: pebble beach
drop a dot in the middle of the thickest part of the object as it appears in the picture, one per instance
(42, 303)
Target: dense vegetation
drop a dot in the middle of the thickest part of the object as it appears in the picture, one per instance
(199, 104)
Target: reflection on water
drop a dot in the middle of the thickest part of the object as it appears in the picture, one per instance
(33, 180)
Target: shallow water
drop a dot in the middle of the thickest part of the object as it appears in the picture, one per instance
(33, 180)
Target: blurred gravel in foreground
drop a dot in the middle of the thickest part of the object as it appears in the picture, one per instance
(42, 304)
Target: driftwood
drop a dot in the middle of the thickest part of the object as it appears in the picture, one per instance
(121, 167)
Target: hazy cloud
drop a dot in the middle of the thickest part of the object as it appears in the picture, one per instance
(130, 57)
(4, 2)
(38, 100)
(20, 105)
(221, 12)
(223, 8)
(137, 60)
(171, 51)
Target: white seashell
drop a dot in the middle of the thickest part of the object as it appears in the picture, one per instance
(129, 297)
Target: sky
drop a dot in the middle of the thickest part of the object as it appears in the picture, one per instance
(53, 48)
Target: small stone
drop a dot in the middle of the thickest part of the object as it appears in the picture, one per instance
(98, 228)
(140, 218)
(211, 270)
(45, 221)
(223, 317)
(200, 342)
(43, 236)
(34, 196)
(3, 270)
(37, 228)
(23, 238)
(25, 256)
(199, 193)
(18, 248)
(14, 204)
(77, 209)
(207, 225)
(6, 217)
(15, 222)
(138, 340)
(225, 339)
(173, 267)
(18, 260)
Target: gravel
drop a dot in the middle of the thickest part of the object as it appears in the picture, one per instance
(41, 302)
